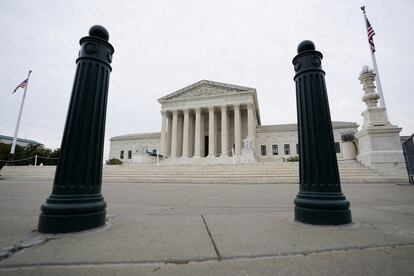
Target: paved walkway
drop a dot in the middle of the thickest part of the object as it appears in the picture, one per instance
(171, 229)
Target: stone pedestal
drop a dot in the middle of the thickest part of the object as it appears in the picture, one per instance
(247, 152)
(379, 141)
(348, 151)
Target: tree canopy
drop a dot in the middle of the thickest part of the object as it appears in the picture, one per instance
(43, 154)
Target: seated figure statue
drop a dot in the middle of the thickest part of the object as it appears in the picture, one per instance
(247, 152)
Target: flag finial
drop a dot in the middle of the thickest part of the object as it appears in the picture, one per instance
(363, 9)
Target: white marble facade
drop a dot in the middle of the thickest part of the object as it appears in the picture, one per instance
(207, 121)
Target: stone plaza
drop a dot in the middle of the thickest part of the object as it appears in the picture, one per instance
(210, 229)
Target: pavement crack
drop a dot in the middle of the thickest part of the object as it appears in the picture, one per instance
(161, 263)
(392, 210)
(211, 238)
(156, 269)
(33, 239)
(162, 210)
(317, 251)
(181, 205)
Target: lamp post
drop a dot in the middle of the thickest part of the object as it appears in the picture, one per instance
(76, 202)
(320, 199)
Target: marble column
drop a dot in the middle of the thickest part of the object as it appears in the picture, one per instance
(251, 125)
(174, 134)
(197, 134)
(186, 133)
(224, 131)
(237, 129)
(211, 132)
(163, 142)
(169, 134)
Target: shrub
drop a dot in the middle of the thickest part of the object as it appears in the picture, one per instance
(348, 136)
(114, 161)
(293, 159)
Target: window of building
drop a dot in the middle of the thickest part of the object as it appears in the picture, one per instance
(121, 156)
(275, 150)
(337, 147)
(287, 149)
(297, 149)
(263, 150)
(129, 154)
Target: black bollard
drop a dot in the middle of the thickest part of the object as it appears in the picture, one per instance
(76, 202)
(320, 200)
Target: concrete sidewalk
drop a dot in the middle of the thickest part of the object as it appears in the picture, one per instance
(210, 229)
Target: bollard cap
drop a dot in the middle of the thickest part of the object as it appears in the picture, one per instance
(99, 31)
(307, 59)
(306, 45)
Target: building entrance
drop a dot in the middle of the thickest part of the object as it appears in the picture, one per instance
(206, 145)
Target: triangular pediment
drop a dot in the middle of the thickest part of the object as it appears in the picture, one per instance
(206, 88)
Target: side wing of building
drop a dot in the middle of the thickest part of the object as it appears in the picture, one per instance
(125, 147)
(278, 142)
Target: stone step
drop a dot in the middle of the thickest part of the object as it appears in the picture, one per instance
(195, 177)
(9, 170)
(350, 172)
(260, 167)
(234, 180)
(221, 173)
(220, 180)
(36, 172)
(227, 176)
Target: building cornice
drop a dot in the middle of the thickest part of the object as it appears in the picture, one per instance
(293, 127)
(137, 136)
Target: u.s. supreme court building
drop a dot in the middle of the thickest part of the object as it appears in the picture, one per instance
(211, 123)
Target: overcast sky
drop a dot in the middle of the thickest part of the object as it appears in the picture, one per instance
(162, 46)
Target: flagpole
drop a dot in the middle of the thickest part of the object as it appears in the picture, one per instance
(374, 63)
(16, 131)
(379, 87)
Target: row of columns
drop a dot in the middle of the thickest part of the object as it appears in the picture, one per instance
(170, 131)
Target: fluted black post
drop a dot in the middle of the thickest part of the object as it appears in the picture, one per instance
(320, 200)
(76, 202)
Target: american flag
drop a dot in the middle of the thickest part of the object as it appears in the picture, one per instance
(23, 84)
(371, 33)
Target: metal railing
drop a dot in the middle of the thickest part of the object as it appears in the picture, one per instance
(32, 160)
(408, 150)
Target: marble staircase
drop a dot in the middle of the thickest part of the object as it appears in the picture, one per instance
(262, 173)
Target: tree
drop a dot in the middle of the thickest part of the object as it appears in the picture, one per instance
(4, 151)
(45, 156)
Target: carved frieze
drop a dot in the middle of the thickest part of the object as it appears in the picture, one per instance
(206, 90)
